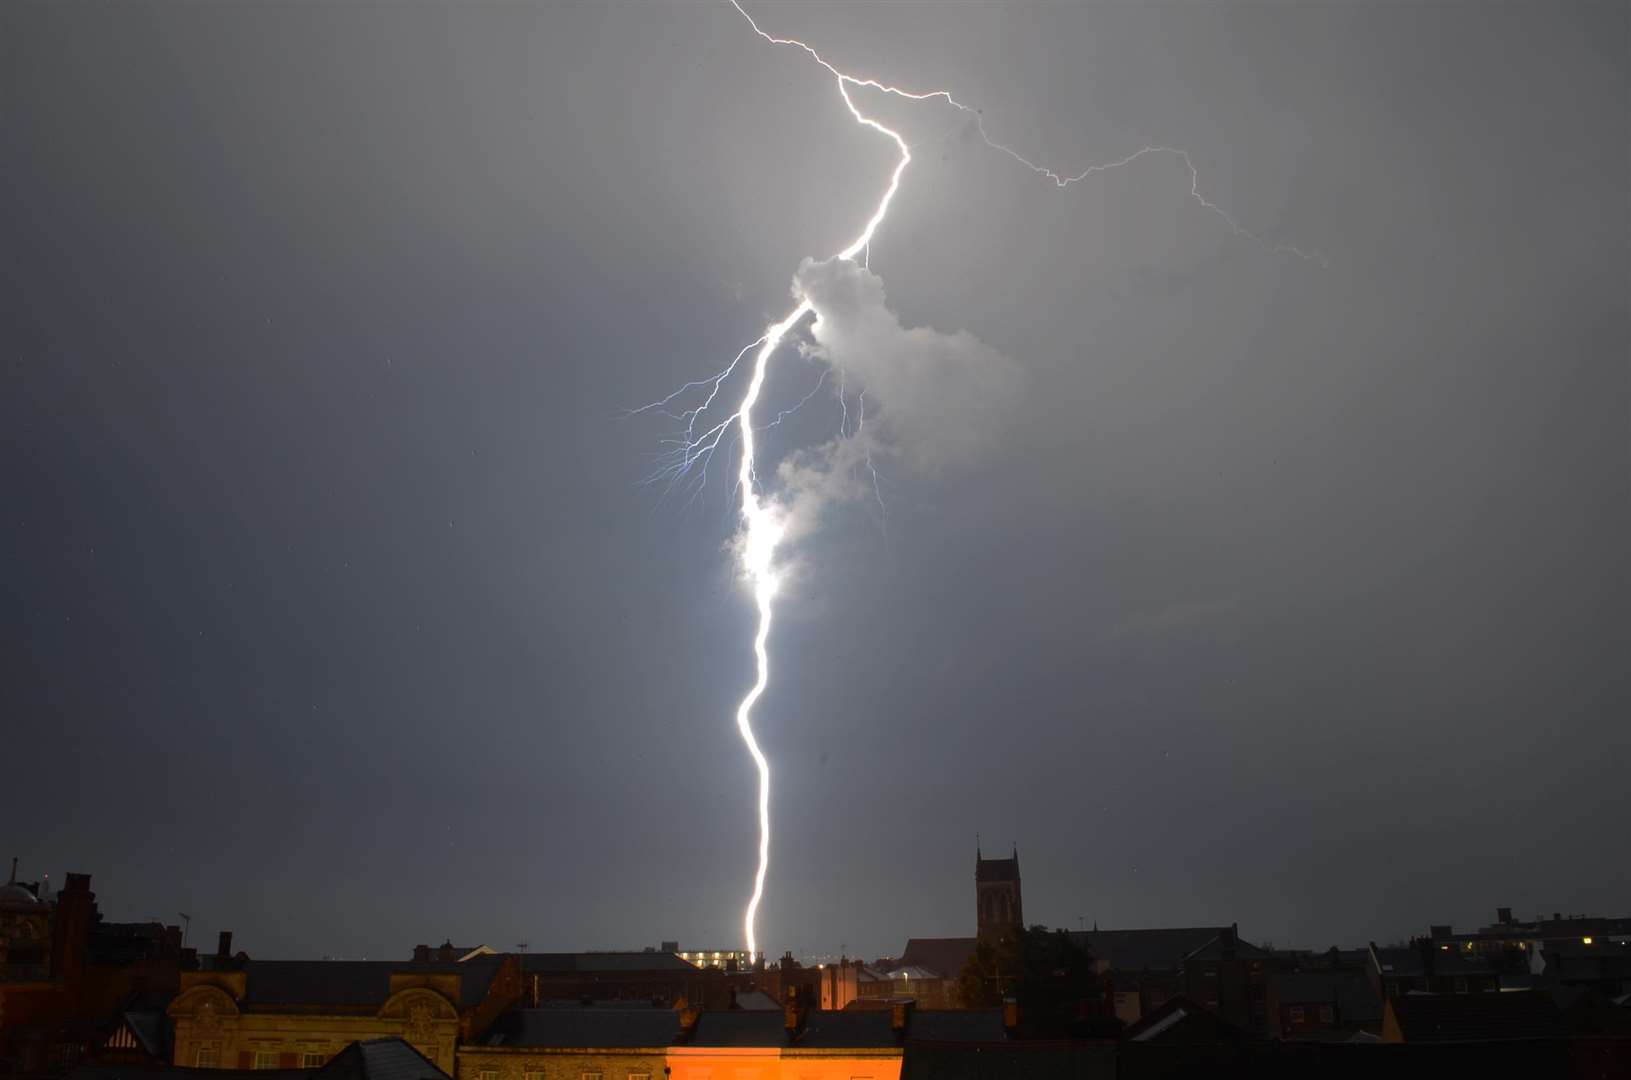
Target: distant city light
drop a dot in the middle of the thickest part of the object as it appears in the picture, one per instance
(1585, 941)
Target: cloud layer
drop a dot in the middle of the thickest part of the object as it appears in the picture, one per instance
(931, 399)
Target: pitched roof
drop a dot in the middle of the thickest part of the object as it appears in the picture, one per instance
(1402, 962)
(152, 1031)
(1476, 1017)
(1222, 943)
(1180, 1020)
(1158, 949)
(1412, 963)
(355, 982)
(822, 1029)
(609, 1027)
(379, 1059)
(945, 955)
(756, 999)
(956, 1025)
(557, 963)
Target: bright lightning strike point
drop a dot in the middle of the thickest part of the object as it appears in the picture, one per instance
(763, 527)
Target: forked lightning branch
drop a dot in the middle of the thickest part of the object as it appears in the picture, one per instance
(763, 524)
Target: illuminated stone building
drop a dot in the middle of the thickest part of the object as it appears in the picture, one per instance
(294, 1014)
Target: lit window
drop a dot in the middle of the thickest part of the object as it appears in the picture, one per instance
(1327, 1014)
(207, 1056)
(535, 1076)
(639, 1076)
(591, 1076)
(1296, 1014)
(265, 1059)
(489, 1074)
(312, 1060)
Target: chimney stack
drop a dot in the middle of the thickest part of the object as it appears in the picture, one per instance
(900, 1017)
(223, 947)
(71, 927)
(793, 1014)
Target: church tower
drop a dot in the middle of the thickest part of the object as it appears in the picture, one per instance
(996, 889)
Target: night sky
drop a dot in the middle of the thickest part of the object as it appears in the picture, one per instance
(1230, 588)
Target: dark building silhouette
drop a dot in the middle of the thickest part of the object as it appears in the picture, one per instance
(996, 886)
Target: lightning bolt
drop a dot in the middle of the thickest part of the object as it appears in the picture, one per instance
(762, 525)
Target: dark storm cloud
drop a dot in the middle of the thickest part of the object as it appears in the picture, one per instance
(335, 612)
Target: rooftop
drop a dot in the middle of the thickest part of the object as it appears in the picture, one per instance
(1476, 1017)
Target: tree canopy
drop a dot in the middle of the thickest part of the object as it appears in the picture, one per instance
(1049, 976)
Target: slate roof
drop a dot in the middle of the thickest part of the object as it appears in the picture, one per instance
(822, 1029)
(559, 963)
(610, 1027)
(1179, 1020)
(1147, 950)
(1477, 1017)
(956, 1025)
(946, 955)
(152, 1031)
(379, 1059)
(1215, 948)
(1409, 963)
(273, 983)
(914, 971)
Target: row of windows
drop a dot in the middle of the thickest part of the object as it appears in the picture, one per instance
(208, 1056)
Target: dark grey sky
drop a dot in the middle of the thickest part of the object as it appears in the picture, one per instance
(334, 612)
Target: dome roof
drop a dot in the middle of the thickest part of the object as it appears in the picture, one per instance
(13, 895)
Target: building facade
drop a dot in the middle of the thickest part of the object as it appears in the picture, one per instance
(299, 1014)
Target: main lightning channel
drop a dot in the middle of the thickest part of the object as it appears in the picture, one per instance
(762, 527)
(762, 530)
